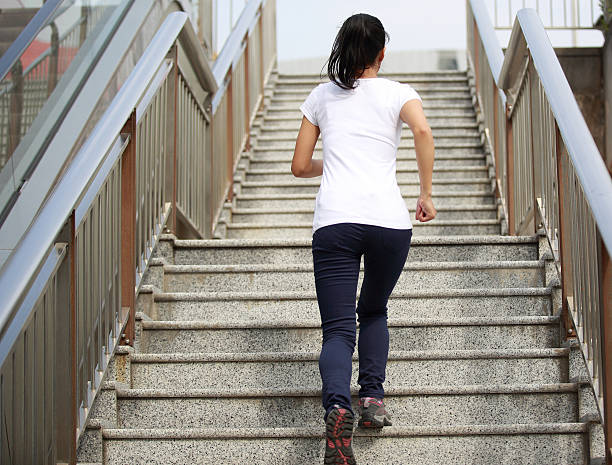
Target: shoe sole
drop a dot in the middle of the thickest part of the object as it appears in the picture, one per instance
(339, 434)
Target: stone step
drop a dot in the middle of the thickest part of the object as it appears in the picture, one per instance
(308, 200)
(432, 119)
(292, 214)
(418, 84)
(430, 111)
(286, 230)
(305, 335)
(433, 91)
(290, 277)
(290, 133)
(434, 406)
(437, 98)
(538, 444)
(293, 370)
(405, 153)
(453, 172)
(422, 249)
(405, 149)
(428, 105)
(266, 306)
(465, 141)
(405, 163)
(406, 188)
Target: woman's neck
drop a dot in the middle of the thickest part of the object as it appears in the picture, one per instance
(369, 73)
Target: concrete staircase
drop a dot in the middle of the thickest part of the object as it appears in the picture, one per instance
(224, 368)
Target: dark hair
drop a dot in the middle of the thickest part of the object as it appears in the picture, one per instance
(358, 43)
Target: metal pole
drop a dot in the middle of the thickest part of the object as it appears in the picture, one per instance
(510, 172)
(605, 311)
(128, 229)
(205, 26)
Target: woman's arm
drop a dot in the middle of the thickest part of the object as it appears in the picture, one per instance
(303, 166)
(412, 114)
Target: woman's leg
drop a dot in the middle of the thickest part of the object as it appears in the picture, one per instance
(336, 251)
(384, 258)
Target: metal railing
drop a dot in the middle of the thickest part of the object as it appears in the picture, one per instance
(163, 153)
(555, 14)
(33, 86)
(555, 179)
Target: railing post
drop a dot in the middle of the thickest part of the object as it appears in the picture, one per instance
(493, 134)
(53, 59)
(247, 113)
(476, 57)
(261, 57)
(605, 307)
(564, 258)
(534, 175)
(171, 161)
(16, 108)
(65, 409)
(510, 171)
(230, 136)
(128, 229)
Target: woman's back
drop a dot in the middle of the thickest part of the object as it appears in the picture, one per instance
(361, 131)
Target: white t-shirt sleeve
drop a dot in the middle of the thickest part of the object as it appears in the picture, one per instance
(310, 105)
(406, 93)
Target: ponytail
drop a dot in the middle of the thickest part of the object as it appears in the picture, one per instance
(358, 43)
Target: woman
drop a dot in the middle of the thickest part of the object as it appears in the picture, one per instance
(359, 211)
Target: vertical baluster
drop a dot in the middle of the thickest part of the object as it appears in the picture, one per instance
(128, 228)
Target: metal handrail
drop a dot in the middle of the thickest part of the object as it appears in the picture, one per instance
(235, 42)
(489, 39)
(42, 18)
(589, 165)
(157, 156)
(551, 178)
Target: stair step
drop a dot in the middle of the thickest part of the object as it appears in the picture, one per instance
(453, 172)
(404, 146)
(428, 105)
(433, 406)
(295, 370)
(292, 214)
(301, 201)
(550, 444)
(424, 249)
(305, 335)
(438, 126)
(443, 90)
(290, 305)
(416, 275)
(430, 111)
(271, 230)
(438, 98)
(406, 187)
(468, 137)
(281, 162)
(405, 153)
(432, 119)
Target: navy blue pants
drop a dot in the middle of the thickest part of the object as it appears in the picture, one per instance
(337, 251)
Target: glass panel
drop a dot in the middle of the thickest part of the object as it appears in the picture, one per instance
(35, 75)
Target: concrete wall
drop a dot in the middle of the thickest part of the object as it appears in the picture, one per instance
(583, 68)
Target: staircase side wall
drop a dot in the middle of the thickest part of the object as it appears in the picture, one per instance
(583, 68)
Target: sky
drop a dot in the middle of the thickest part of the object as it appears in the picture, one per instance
(307, 29)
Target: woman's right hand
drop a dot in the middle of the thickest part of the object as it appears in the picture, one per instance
(425, 210)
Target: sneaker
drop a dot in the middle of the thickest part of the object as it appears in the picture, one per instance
(339, 435)
(372, 413)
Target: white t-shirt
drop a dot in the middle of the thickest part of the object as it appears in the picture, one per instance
(361, 130)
